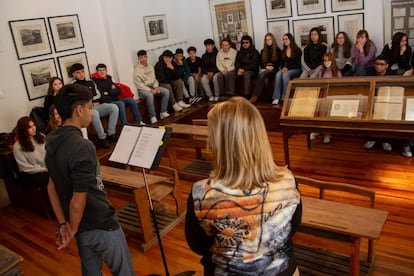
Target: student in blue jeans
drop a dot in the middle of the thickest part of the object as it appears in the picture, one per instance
(290, 67)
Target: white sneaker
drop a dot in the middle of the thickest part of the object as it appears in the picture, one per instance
(177, 108)
(216, 99)
(275, 101)
(327, 139)
(141, 123)
(369, 144)
(154, 120)
(406, 152)
(386, 146)
(313, 135)
(211, 99)
(197, 99)
(164, 115)
(183, 104)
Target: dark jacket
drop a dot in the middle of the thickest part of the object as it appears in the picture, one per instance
(312, 55)
(106, 85)
(165, 74)
(72, 164)
(403, 61)
(293, 62)
(194, 65)
(248, 59)
(97, 97)
(270, 62)
(183, 70)
(208, 62)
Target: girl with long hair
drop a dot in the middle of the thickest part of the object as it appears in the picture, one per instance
(55, 84)
(312, 54)
(341, 48)
(399, 53)
(363, 54)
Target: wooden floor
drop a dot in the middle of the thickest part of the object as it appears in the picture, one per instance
(390, 174)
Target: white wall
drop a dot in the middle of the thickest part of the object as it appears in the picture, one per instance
(113, 31)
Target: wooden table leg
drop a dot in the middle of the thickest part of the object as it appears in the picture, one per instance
(286, 136)
(144, 215)
(354, 258)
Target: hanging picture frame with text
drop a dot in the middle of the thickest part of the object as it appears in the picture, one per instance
(36, 76)
(278, 29)
(351, 24)
(301, 29)
(65, 62)
(278, 8)
(310, 6)
(156, 27)
(30, 37)
(66, 32)
(240, 11)
(347, 5)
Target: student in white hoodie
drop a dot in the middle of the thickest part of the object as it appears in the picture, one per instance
(225, 61)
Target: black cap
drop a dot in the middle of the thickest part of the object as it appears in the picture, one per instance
(75, 67)
(167, 53)
(208, 41)
(141, 53)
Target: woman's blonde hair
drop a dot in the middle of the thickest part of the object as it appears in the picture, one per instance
(242, 156)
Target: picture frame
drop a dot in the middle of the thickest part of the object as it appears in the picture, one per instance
(278, 8)
(30, 37)
(348, 5)
(231, 18)
(156, 27)
(398, 17)
(310, 6)
(36, 76)
(351, 24)
(66, 32)
(302, 27)
(65, 62)
(278, 29)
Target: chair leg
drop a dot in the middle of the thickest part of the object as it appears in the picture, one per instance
(354, 258)
(370, 257)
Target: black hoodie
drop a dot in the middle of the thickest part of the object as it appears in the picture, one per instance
(73, 167)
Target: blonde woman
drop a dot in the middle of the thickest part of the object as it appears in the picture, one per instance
(241, 220)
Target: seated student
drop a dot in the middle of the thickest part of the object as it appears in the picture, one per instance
(29, 152)
(55, 84)
(148, 87)
(194, 80)
(101, 107)
(341, 48)
(247, 63)
(242, 218)
(183, 70)
(110, 91)
(381, 68)
(363, 54)
(168, 76)
(270, 57)
(399, 53)
(289, 67)
(225, 61)
(55, 120)
(312, 54)
(209, 70)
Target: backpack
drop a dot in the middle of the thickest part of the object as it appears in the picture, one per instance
(6, 141)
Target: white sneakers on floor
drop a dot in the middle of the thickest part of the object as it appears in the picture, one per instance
(183, 104)
(275, 101)
(153, 120)
(177, 108)
(164, 115)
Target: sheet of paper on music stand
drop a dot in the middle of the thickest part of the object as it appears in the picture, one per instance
(125, 145)
(345, 108)
(304, 102)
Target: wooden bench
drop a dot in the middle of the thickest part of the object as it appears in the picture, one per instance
(338, 227)
(9, 262)
(136, 217)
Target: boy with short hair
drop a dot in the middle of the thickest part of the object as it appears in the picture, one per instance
(194, 80)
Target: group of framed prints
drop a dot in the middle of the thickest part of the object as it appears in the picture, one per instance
(31, 40)
(349, 23)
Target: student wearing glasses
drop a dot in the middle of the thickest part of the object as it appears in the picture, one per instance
(247, 63)
(341, 48)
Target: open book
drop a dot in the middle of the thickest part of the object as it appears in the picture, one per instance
(389, 103)
(304, 102)
(139, 146)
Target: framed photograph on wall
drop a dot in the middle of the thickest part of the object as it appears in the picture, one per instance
(36, 76)
(66, 32)
(346, 5)
(301, 30)
(65, 62)
(278, 29)
(30, 37)
(231, 18)
(310, 6)
(156, 27)
(351, 24)
(278, 8)
(398, 17)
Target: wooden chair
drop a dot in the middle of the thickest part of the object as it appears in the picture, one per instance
(335, 242)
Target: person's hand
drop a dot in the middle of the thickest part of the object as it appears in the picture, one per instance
(155, 90)
(113, 86)
(210, 75)
(197, 77)
(240, 72)
(170, 65)
(269, 68)
(64, 235)
(360, 47)
(284, 70)
(106, 93)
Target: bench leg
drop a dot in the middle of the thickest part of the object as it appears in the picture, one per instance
(354, 258)
(143, 208)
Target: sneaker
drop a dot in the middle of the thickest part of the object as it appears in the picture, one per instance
(406, 151)
(164, 115)
(369, 144)
(211, 99)
(141, 123)
(112, 137)
(154, 120)
(104, 143)
(386, 146)
(313, 135)
(183, 104)
(216, 99)
(198, 99)
(327, 139)
(192, 100)
(253, 99)
(177, 108)
(275, 101)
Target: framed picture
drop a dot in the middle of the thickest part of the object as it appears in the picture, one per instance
(30, 37)
(278, 29)
(37, 75)
(301, 30)
(310, 6)
(156, 27)
(278, 8)
(66, 32)
(232, 19)
(351, 24)
(65, 62)
(398, 17)
(346, 5)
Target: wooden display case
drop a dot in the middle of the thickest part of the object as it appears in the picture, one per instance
(364, 106)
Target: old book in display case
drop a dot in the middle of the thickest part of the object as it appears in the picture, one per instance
(304, 102)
